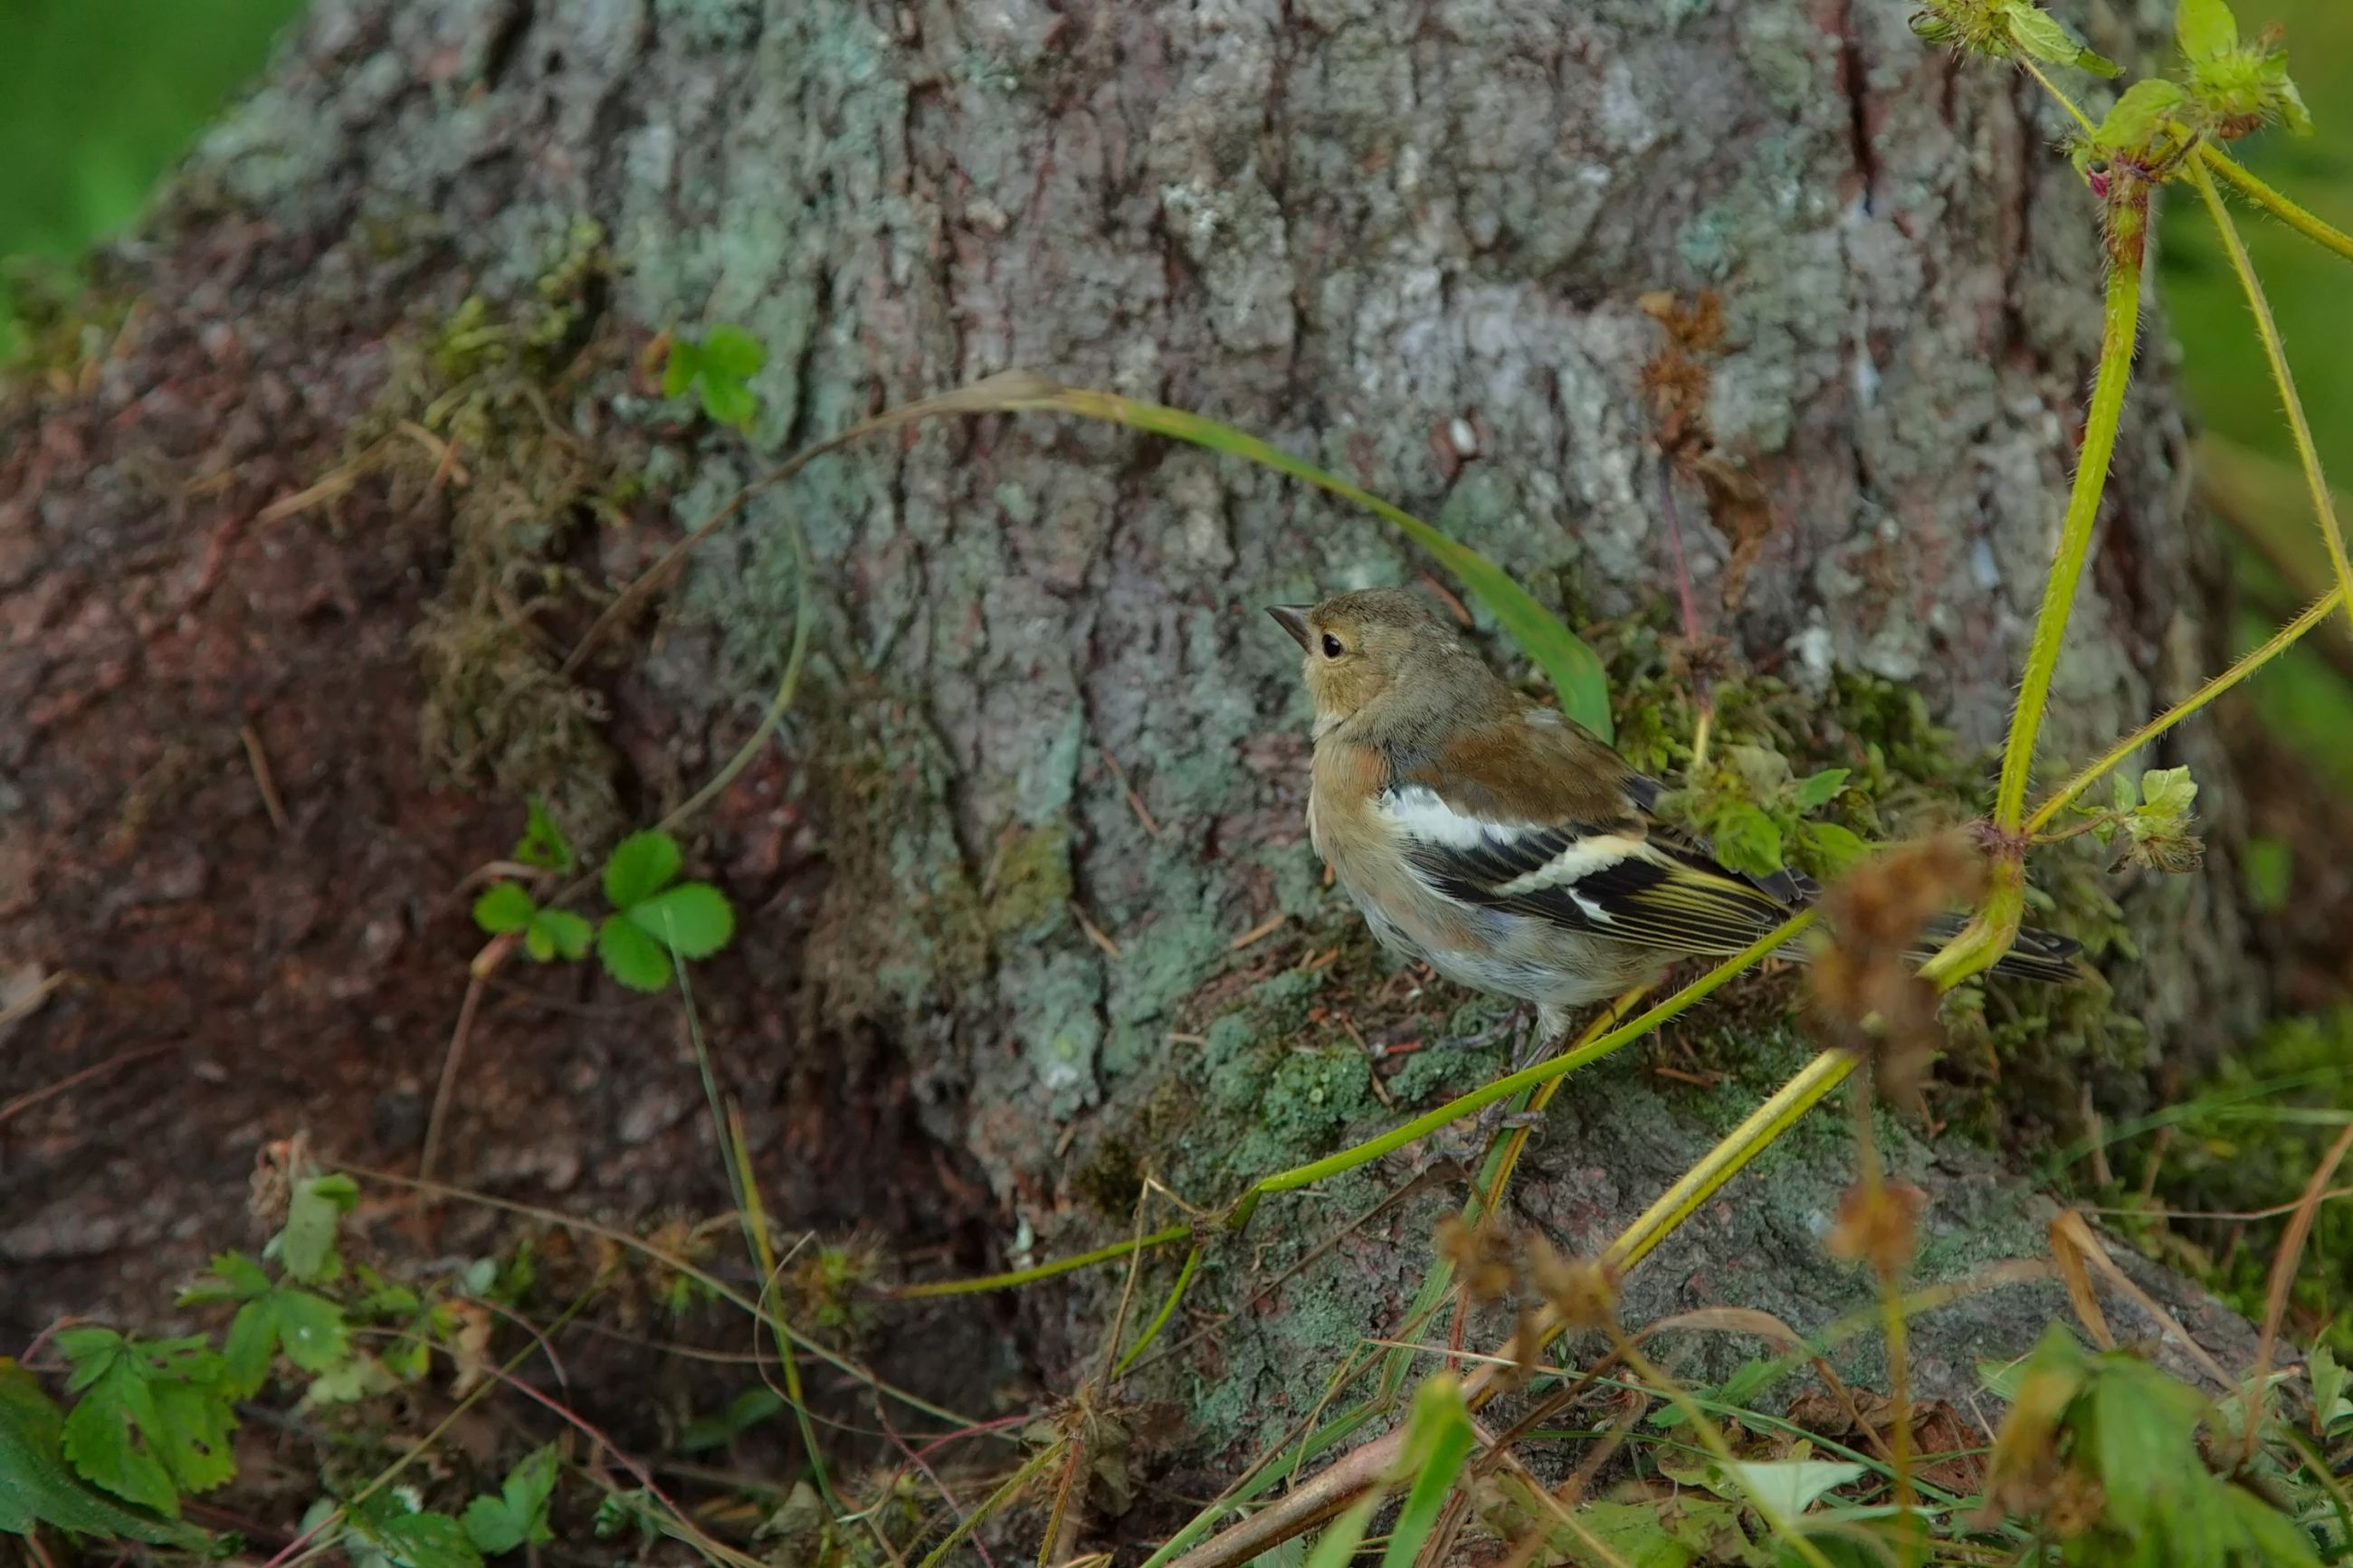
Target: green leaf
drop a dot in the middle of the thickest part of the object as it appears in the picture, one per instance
(1834, 848)
(693, 919)
(37, 1487)
(252, 1342)
(729, 403)
(1790, 1487)
(626, 1512)
(642, 865)
(1821, 788)
(306, 1248)
(504, 907)
(311, 1330)
(350, 1381)
(154, 1417)
(234, 1277)
(630, 956)
(685, 363)
(1748, 840)
(518, 1515)
(2039, 33)
(2167, 791)
(2139, 117)
(732, 352)
(2205, 28)
(1436, 1441)
(558, 933)
(2329, 1404)
(542, 843)
(411, 1538)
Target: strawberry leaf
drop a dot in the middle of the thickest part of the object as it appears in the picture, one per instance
(692, 919)
(641, 865)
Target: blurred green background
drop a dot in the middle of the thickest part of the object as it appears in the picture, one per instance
(97, 97)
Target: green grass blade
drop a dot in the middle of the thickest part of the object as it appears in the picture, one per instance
(1437, 1442)
(1572, 666)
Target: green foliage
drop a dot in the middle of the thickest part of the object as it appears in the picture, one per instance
(37, 1487)
(518, 1515)
(2005, 29)
(390, 1530)
(2155, 822)
(2239, 87)
(1750, 804)
(2119, 1440)
(270, 1318)
(314, 1209)
(655, 920)
(155, 1416)
(716, 369)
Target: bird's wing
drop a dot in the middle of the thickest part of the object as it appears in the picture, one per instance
(1558, 828)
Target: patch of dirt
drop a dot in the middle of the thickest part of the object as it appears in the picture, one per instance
(222, 847)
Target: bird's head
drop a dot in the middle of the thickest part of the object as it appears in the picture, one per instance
(1358, 646)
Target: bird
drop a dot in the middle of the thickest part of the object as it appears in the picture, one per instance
(1502, 844)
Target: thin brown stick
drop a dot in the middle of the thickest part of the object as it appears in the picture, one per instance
(2283, 1279)
(478, 974)
(34, 1096)
(257, 761)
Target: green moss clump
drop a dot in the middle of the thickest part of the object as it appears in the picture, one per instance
(482, 416)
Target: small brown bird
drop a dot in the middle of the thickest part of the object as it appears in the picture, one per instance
(1504, 845)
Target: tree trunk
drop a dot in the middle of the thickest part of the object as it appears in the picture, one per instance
(1409, 241)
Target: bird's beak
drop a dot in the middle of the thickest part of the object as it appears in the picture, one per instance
(1291, 618)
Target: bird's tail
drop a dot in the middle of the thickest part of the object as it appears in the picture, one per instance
(2033, 955)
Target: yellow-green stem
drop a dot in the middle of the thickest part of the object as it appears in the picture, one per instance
(2278, 642)
(1160, 1319)
(2119, 330)
(2275, 353)
(2275, 203)
(1009, 1280)
(1729, 1156)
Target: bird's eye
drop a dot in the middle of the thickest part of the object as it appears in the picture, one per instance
(1331, 648)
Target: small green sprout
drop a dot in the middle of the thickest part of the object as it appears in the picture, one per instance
(2239, 87)
(2155, 823)
(2005, 29)
(656, 919)
(717, 369)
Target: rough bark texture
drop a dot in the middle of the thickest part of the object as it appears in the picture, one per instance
(1346, 224)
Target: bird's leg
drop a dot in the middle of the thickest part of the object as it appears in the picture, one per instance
(1480, 1038)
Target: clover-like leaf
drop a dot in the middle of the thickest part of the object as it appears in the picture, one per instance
(732, 352)
(641, 865)
(556, 933)
(504, 907)
(630, 956)
(155, 1418)
(683, 365)
(693, 919)
(729, 402)
(518, 1515)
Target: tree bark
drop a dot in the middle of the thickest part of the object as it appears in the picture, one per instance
(1407, 240)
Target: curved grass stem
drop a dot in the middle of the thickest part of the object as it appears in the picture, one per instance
(2275, 203)
(2308, 456)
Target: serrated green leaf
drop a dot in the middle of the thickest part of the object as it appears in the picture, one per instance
(1821, 788)
(350, 1381)
(561, 933)
(37, 1487)
(1834, 848)
(504, 907)
(106, 1439)
(684, 363)
(518, 1515)
(693, 919)
(729, 403)
(633, 1510)
(417, 1538)
(252, 1342)
(2169, 791)
(195, 1423)
(91, 1353)
(312, 1330)
(542, 843)
(2136, 118)
(2039, 33)
(234, 1277)
(630, 956)
(1748, 840)
(641, 865)
(2205, 27)
(306, 1248)
(730, 351)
